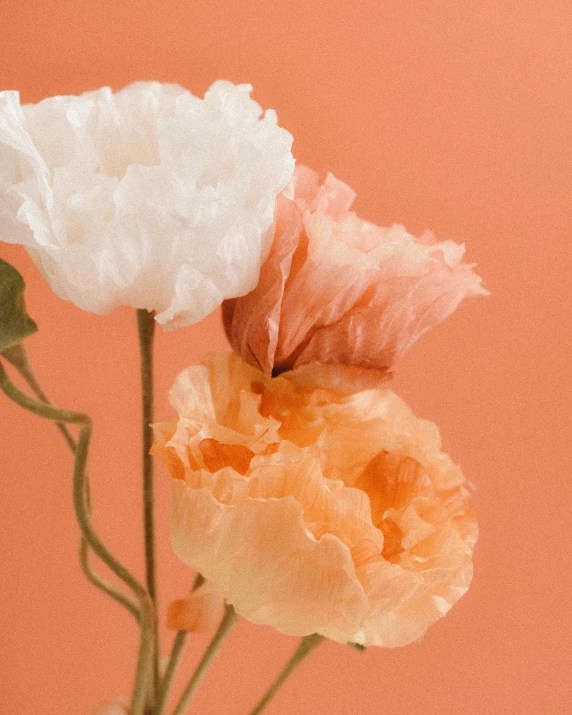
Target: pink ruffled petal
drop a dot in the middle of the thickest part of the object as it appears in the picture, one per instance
(337, 289)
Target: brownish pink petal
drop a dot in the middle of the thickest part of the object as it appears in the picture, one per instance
(252, 325)
(338, 289)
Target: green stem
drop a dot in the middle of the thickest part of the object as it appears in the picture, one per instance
(18, 356)
(166, 682)
(178, 646)
(145, 661)
(103, 584)
(146, 325)
(38, 408)
(146, 329)
(146, 649)
(307, 645)
(230, 618)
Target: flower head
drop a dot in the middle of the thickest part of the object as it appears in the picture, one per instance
(149, 197)
(337, 289)
(314, 505)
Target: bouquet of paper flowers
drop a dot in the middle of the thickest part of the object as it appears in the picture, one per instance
(306, 494)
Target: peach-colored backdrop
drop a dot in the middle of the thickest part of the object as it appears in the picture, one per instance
(442, 114)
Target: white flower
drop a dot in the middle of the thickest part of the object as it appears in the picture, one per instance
(149, 197)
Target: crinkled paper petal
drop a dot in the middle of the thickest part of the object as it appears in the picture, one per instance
(316, 502)
(148, 197)
(338, 289)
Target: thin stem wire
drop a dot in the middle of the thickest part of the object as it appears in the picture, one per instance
(146, 326)
(166, 682)
(229, 619)
(146, 330)
(41, 409)
(146, 650)
(18, 356)
(103, 584)
(173, 662)
(307, 645)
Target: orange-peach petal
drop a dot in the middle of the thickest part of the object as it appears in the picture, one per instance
(315, 504)
(201, 610)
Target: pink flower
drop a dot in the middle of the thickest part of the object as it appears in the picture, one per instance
(338, 289)
(314, 505)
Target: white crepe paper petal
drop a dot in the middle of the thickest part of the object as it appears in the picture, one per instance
(149, 197)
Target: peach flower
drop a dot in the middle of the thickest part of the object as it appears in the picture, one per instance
(202, 610)
(337, 289)
(313, 505)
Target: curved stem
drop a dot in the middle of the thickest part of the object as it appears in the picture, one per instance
(18, 356)
(146, 329)
(103, 584)
(230, 618)
(38, 408)
(307, 645)
(146, 651)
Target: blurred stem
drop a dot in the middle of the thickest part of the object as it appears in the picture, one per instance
(103, 584)
(145, 661)
(146, 329)
(166, 682)
(307, 645)
(178, 645)
(229, 619)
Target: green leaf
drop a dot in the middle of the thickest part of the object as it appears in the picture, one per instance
(15, 323)
(357, 646)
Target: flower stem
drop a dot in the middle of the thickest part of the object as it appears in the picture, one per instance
(307, 645)
(146, 649)
(178, 645)
(103, 584)
(230, 618)
(18, 356)
(146, 328)
(145, 661)
(165, 686)
(146, 325)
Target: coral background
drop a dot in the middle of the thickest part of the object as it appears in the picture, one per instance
(454, 116)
